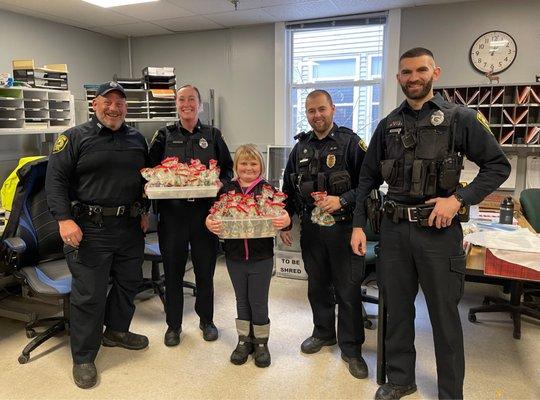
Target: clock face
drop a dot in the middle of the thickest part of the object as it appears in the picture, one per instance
(493, 52)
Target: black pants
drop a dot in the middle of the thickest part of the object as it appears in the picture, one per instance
(334, 275)
(409, 255)
(251, 282)
(181, 225)
(115, 251)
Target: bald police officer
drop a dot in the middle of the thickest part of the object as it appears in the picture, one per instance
(418, 150)
(94, 191)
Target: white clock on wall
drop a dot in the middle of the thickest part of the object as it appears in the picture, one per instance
(493, 52)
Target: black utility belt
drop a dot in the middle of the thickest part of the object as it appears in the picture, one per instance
(97, 212)
(413, 213)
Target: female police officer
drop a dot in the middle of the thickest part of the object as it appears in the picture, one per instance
(181, 222)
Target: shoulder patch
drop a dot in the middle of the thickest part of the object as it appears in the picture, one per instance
(362, 145)
(60, 143)
(483, 121)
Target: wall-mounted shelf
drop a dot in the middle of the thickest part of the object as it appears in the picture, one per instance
(31, 110)
(513, 111)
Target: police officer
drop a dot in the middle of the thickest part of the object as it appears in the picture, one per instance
(417, 149)
(328, 158)
(94, 191)
(182, 222)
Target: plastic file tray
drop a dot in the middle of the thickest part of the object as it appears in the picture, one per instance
(247, 228)
(184, 192)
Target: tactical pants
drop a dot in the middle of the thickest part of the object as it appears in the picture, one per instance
(409, 255)
(181, 226)
(334, 275)
(114, 251)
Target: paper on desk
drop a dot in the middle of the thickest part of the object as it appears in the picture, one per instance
(520, 247)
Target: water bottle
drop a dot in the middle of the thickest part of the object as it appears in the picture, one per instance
(506, 211)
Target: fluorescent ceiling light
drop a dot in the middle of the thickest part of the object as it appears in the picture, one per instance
(116, 3)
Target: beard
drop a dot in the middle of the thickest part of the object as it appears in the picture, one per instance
(418, 95)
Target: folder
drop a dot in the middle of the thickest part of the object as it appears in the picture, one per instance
(535, 95)
(497, 95)
(523, 95)
(470, 100)
(484, 96)
(504, 138)
(532, 135)
(460, 98)
(447, 96)
(22, 64)
(516, 119)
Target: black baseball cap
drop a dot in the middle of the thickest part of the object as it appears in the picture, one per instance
(107, 87)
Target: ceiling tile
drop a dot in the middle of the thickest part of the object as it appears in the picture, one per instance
(153, 11)
(202, 7)
(311, 9)
(194, 23)
(241, 17)
(83, 13)
(138, 29)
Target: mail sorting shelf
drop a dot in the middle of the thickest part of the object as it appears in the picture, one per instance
(35, 109)
(513, 111)
(143, 104)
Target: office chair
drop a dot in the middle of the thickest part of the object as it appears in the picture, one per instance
(156, 282)
(530, 204)
(32, 251)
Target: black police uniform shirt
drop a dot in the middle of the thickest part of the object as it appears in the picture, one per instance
(97, 166)
(353, 153)
(204, 143)
(472, 139)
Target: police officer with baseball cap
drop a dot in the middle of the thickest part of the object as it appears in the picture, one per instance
(418, 150)
(328, 158)
(181, 224)
(94, 191)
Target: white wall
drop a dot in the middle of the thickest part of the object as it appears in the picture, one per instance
(90, 57)
(238, 63)
(449, 31)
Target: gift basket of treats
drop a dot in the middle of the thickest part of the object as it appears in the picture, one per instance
(175, 180)
(245, 216)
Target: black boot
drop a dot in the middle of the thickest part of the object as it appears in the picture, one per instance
(394, 392)
(244, 347)
(260, 340)
(85, 375)
(127, 340)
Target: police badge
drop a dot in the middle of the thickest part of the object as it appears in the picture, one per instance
(437, 118)
(203, 143)
(330, 160)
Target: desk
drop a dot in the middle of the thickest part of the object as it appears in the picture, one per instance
(484, 267)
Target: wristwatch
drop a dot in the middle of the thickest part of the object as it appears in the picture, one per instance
(459, 198)
(342, 201)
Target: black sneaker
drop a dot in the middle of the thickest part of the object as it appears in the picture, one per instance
(85, 375)
(210, 332)
(394, 392)
(313, 345)
(172, 337)
(357, 366)
(127, 340)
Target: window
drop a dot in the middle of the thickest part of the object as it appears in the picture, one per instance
(345, 60)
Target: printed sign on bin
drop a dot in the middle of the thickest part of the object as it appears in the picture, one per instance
(289, 265)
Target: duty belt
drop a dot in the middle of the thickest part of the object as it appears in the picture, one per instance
(96, 212)
(413, 213)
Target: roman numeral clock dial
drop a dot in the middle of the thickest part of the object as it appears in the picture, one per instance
(493, 52)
